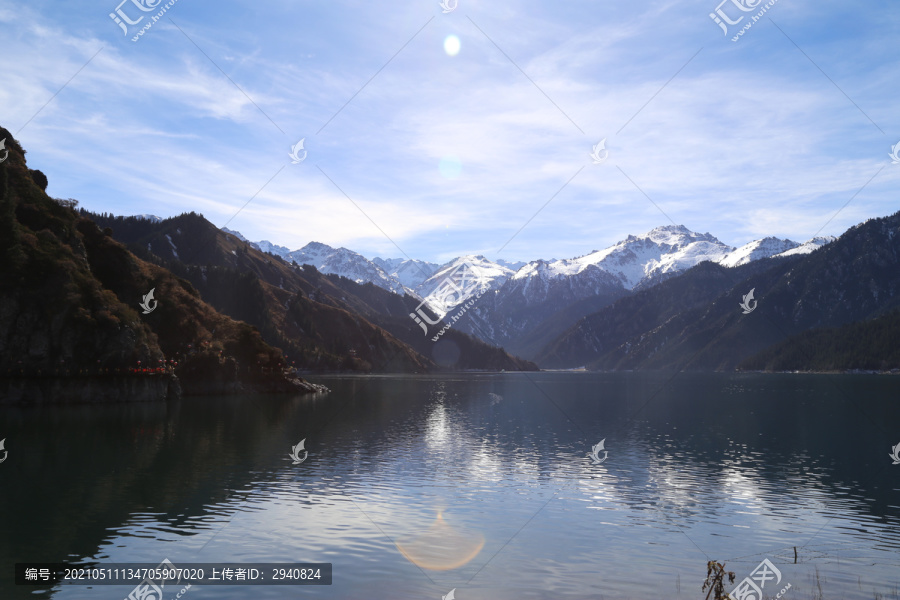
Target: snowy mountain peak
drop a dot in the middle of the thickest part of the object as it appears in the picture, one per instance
(346, 263)
(410, 273)
(267, 246)
(673, 235)
(638, 259)
(474, 274)
(316, 247)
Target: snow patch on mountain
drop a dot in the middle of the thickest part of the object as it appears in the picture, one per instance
(171, 243)
(151, 218)
(809, 245)
(756, 250)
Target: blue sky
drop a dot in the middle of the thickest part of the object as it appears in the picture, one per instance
(750, 138)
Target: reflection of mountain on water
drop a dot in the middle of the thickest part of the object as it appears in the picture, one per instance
(738, 458)
(82, 472)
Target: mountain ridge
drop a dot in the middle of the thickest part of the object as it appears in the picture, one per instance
(676, 238)
(522, 310)
(694, 321)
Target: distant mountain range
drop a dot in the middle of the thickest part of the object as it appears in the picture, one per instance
(635, 261)
(532, 303)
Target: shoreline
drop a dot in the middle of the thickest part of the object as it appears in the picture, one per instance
(40, 390)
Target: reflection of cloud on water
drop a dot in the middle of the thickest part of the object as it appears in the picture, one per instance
(451, 446)
(485, 463)
(437, 427)
(442, 547)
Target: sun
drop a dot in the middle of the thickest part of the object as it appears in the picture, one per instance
(451, 45)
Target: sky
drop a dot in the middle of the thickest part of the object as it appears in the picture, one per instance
(431, 134)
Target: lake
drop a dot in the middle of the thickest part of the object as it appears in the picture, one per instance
(414, 486)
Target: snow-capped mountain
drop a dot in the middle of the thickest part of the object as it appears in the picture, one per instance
(399, 275)
(551, 295)
(772, 246)
(267, 246)
(410, 273)
(667, 249)
(486, 273)
(346, 263)
(472, 274)
(328, 260)
(809, 246)
(152, 218)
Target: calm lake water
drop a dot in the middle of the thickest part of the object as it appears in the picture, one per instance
(417, 485)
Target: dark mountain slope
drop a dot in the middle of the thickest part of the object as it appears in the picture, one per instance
(524, 315)
(54, 314)
(866, 345)
(646, 310)
(320, 322)
(455, 348)
(69, 295)
(314, 327)
(855, 278)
